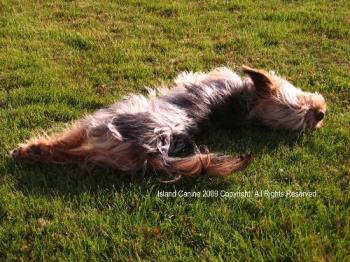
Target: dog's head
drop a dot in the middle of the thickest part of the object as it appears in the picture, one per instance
(281, 105)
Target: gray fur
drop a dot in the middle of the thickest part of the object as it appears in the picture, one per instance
(139, 130)
(163, 124)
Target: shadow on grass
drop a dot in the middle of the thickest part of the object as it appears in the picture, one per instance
(51, 180)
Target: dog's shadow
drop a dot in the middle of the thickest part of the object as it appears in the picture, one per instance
(52, 180)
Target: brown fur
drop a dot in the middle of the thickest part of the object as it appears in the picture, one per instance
(72, 146)
(264, 84)
(96, 141)
(209, 164)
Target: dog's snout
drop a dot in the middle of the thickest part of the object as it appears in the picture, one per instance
(319, 115)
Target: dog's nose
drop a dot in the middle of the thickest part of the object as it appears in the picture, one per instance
(319, 115)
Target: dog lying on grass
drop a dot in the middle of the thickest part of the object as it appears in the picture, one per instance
(141, 133)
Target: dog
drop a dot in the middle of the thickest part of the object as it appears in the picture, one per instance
(145, 133)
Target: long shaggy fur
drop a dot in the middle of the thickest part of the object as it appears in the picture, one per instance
(142, 133)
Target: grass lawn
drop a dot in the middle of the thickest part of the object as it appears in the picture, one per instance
(62, 60)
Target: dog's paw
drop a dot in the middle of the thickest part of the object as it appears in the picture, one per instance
(28, 152)
(16, 153)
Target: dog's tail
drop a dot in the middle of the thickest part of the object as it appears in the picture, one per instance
(210, 164)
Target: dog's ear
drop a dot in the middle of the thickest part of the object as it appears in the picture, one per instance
(263, 81)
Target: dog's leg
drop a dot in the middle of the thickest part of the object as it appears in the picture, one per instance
(190, 78)
(220, 73)
(57, 148)
(89, 147)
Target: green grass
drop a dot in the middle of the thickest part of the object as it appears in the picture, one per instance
(60, 61)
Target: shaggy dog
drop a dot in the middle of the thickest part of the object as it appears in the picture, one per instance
(146, 132)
